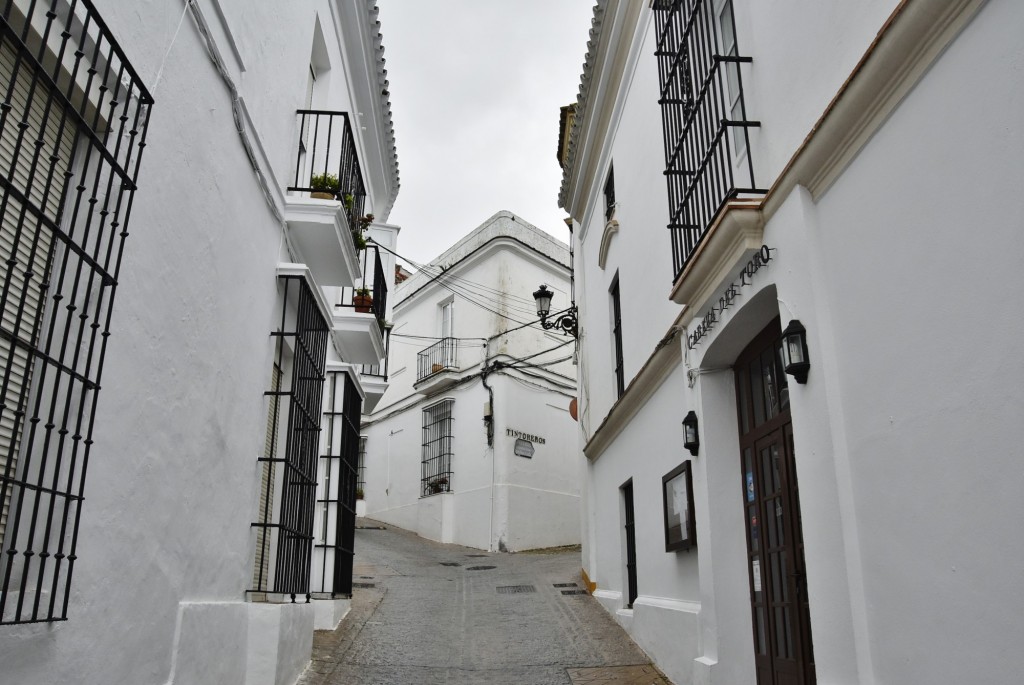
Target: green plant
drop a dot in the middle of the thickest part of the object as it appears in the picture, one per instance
(359, 493)
(348, 200)
(363, 292)
(358, 240)
(324, 183)
(439, 484)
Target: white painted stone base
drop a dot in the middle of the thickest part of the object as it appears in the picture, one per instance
(210, 645)
(280, 642)
(242, 643)
(327, 613)
(360, 507)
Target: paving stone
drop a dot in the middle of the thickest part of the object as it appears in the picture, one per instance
(425, 623)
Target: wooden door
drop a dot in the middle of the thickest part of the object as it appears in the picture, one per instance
(775, 554)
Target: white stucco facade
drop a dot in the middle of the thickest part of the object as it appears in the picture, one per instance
(161, 591)
(886, 160)
(476, 295)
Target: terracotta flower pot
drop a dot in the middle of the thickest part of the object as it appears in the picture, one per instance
(321, 195)
(363, 303)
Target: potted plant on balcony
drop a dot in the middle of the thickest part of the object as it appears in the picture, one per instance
(359, 493)
(362, 300)
(360, 225)
(324, 186)
(439, 484)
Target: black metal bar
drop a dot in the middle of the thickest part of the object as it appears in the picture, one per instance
(325, 154)
(439, 357)
(436, 457)
(702, 104)
(58, 283)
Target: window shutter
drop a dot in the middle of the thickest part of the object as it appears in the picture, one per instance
(31, 248)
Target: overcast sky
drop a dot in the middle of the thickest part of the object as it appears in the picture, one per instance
(476, 87)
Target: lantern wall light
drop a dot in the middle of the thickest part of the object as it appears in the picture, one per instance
(795, 360)
(564, 321)
(691, 440)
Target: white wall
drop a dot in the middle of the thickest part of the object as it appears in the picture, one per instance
(165, 538)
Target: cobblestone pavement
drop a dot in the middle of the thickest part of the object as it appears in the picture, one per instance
(426, 613)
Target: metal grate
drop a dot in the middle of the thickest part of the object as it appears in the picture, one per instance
(436, 464)
(441, 356)
(565, 585)
(480, 568)
(290, 519)
(575, 592)
(515, 589)
(73, 121)
(336, 500)
(450, 563)
(365, 586)
(706, 131)
(326, 146)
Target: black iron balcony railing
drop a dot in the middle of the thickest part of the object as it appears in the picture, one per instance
(704, 118)
(380, 370)
(441, 356)
(327, 148)
(371, 295)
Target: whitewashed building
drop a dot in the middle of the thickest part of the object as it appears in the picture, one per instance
(739, 172)
(473, 442)
(192, 522)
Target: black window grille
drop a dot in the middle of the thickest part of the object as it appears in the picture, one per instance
(73, 121)
(441, 356)
(284, 531)
(380, 370)
(336, 500)
(326, 146)
(609, 195)
(701, 98)
(361, 467)
(436, 467)
(371, 295)
(620, 374)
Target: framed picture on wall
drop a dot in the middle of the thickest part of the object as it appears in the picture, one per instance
(677, 490)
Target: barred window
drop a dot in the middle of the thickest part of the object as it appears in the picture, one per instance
(361, 468)
(436, 466)
(73, 120)
(284, 526)
(336, 492)
(609, 194)
(704, 118)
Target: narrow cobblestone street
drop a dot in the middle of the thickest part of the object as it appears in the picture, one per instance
(425, 613)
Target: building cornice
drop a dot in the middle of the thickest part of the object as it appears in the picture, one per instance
(906, 46)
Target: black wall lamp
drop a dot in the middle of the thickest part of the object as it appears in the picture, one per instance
(565, 321)
(794, 351)
(690, 439)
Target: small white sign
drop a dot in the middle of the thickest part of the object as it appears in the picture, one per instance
(524, 448)
(756, 565)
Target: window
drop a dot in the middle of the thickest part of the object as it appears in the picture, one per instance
(609, 194)
(70, 148)
(620, 377)
(361, 466)
(339, 477)
(284, 525)
(703, 117)
(446, 318)
(436, 466)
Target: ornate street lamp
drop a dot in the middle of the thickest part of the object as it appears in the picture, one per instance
(794, 351)
(565, 321)
(690, 439)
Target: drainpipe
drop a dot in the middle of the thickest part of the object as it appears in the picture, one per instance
(489, 425)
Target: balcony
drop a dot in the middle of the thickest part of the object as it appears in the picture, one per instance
(320, 230)
(708, 161)
(437, 367)
(359, 316)
(374, 377)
